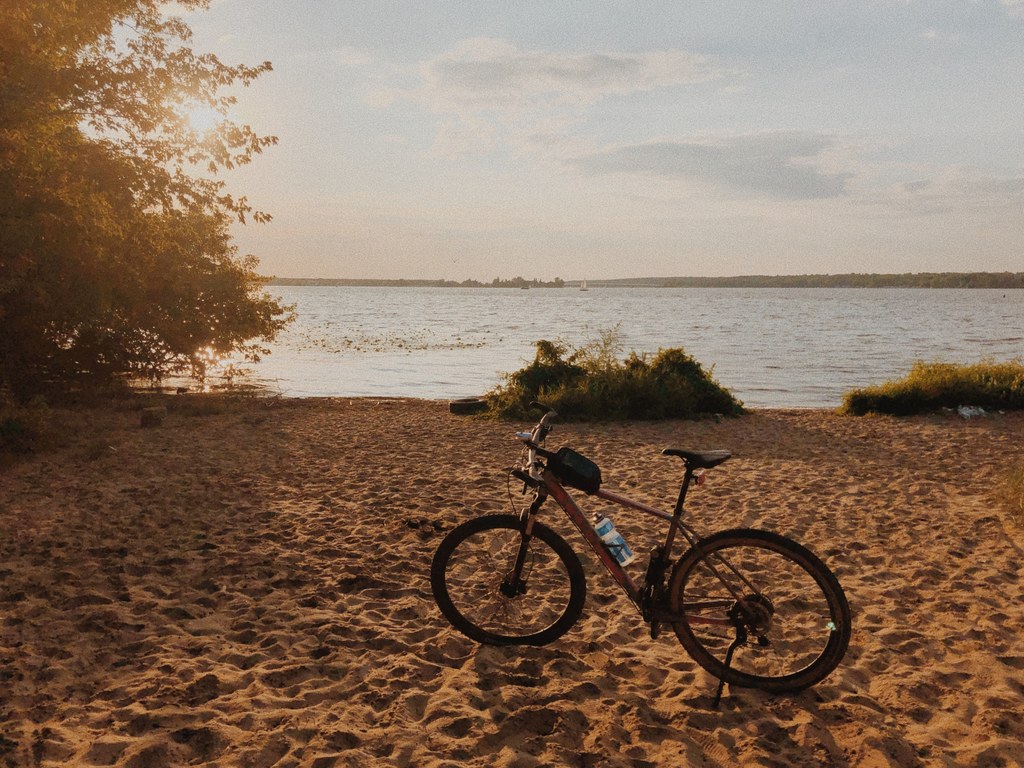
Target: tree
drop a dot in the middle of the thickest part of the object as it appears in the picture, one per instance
(115, 251)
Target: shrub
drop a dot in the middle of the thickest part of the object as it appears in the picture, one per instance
(548, 371)
(592, 384)
(931, 386)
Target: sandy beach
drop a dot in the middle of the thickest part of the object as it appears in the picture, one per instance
(247, 585)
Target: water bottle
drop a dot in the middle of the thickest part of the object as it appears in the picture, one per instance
(613, 540)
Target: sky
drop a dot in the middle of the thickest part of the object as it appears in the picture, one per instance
(472, 139)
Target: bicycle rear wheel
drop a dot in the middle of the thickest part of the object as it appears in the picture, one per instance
(474, 581)
(795, 618)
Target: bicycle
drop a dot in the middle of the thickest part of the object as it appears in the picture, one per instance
(752, 607)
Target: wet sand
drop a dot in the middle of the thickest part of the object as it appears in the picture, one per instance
(247, 585)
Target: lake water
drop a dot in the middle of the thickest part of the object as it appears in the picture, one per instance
(771, 347)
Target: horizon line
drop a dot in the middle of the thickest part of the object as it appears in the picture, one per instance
(1005, 279)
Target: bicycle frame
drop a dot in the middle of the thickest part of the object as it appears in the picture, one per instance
(551, 486)
(547, 484)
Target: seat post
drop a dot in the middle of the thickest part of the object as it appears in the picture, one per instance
(687, 477)
(678, 512)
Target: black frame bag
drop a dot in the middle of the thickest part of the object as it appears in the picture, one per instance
(576, 470)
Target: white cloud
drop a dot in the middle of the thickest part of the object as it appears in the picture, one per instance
(936, 36)
(780, 165)
(1014, 8)
(349, 57)
(955, 189)
(487, 73)
(464, 135)
(493, 95)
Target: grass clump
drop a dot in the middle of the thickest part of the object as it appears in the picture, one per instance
(1013, 493)
(932, 386)
(591, 383)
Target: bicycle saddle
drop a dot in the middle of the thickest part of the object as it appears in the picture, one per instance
(698, 459)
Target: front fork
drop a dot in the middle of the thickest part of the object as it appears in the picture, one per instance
(514, 584)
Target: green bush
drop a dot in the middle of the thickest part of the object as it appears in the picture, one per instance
(592, 384)
(931, 386)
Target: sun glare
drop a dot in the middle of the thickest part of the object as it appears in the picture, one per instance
(204, 119)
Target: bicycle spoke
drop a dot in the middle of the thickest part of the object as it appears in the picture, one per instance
(475, 584)
(791, 645)
(790, 618)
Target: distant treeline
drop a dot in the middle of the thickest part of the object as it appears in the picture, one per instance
(908, 280)
(515, 282)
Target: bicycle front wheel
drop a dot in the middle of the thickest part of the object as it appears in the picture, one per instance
(500, 587)
(792, 618)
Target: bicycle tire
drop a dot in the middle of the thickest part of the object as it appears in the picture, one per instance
(809, 629)
(470, 565)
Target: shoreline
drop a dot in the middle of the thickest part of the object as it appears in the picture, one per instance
(258, 392)
(246, 585)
